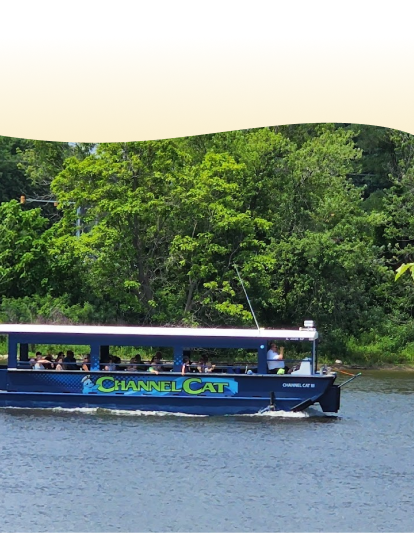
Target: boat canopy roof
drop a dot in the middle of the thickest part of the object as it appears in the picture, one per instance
(172, 333)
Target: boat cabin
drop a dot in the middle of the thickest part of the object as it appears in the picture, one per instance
(100, 338)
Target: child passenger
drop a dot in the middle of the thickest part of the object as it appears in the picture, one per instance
(186, 366)
(205, 365)
(59, 362)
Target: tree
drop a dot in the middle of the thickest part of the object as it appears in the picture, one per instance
(23, 269)
(13, 181)
(124, 192)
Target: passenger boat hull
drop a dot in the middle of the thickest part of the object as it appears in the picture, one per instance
(197, 394)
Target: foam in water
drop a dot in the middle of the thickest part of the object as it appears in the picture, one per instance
(120, 412)
(281, 414)
(100, 410)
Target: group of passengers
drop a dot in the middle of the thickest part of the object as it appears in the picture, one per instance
(275, 363)
(203, 366)
(112, 363)
(61, 362)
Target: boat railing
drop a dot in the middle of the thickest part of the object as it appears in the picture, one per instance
(167, 366)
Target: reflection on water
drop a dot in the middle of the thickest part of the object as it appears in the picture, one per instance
(385, 381)
(94, 470)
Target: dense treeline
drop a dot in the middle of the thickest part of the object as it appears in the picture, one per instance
(316, 216)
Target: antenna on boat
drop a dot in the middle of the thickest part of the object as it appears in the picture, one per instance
(247, 297)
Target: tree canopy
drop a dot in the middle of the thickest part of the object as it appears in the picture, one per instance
(316, 217)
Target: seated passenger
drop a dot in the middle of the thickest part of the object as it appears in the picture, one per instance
(37, 356)
(133, 363)
(49, 364)
(275, 359)
(111, 366)
(60, 355)
(59, 362)
(205, 365)
(69, 361)
(155, 367)
(209, 367)
(40, 363)
(186, 368)
(86, 363)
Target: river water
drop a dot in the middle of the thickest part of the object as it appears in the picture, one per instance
(95, 471)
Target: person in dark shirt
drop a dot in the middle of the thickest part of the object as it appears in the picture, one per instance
(134, 362)
(69, 361)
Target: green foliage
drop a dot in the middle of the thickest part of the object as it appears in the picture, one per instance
(13, 181)
(45, 310)
(317, 217)
(22, 250)
(389, 344)
(404, 268)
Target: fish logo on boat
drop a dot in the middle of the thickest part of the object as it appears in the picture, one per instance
(88, 385)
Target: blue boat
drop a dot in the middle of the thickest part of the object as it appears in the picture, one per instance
(228, 390)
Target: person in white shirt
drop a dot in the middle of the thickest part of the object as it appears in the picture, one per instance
(39, 363)
(275, 359)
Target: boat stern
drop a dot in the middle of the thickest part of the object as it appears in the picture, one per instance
(331, 399)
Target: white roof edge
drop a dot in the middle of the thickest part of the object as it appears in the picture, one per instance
(299, 334)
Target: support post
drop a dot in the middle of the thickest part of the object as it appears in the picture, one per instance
(12, 352)
(314, 357)
(94, 357)
(262, 359)
(178, 358)
(104, 351)
(24, 352)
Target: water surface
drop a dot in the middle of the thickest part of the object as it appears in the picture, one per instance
(95, 471)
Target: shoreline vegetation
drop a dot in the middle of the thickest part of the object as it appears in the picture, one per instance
(317, 219)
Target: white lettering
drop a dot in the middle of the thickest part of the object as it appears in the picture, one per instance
(304, 385)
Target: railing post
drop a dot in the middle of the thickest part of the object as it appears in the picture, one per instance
(12, 352)
(262, 359)
(95, 355)
(314, 357)
(178, 358)
(24, 352)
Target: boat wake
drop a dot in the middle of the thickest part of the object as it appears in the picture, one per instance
(279, 414)
(99, 411)
(309, 413)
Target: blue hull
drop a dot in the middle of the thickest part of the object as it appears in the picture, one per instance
(196, 394)
(199, 406)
